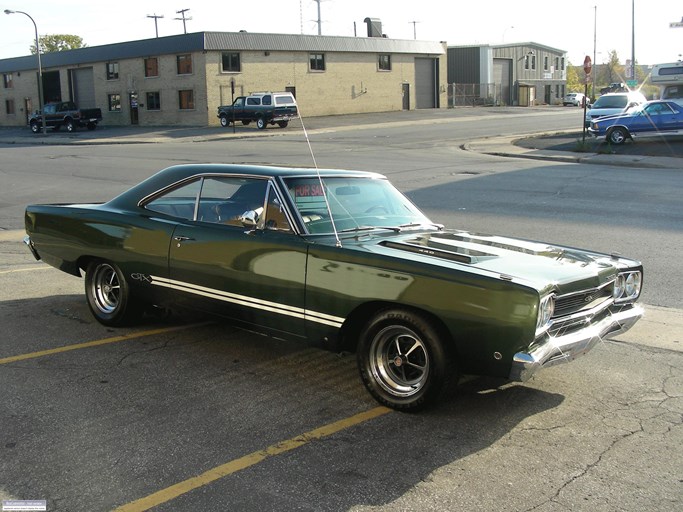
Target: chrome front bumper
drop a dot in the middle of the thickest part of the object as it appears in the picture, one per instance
(564, 348)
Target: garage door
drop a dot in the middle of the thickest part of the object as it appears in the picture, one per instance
(426, 80)
(83, 87)
(502, 77)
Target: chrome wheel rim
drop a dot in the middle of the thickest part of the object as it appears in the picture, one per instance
(617, 137)
(399, 361)
(106, 288)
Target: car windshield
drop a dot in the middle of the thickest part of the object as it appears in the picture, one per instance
(611, 102)
(356, 204)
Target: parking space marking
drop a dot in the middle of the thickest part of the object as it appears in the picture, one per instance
(96, 343)
(30, 269)
(253, 458)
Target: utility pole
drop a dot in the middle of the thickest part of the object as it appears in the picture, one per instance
(414, 28)
(184, 19)
(156, 28)
(320, 21)
(633, 40)
(595, 62)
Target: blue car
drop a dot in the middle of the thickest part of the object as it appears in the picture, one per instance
(652, 119)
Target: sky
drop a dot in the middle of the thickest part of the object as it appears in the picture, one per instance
(580, 27)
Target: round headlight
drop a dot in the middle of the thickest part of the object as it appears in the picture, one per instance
(546, 308)
(633, 284)
(619, 285)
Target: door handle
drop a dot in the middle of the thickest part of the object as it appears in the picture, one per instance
(181, 238)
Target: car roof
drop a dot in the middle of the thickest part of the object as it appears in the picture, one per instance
(177, 173)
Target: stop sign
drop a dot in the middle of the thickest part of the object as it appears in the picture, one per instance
(587, 66)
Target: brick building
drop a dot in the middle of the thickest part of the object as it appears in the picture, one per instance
(182, 79)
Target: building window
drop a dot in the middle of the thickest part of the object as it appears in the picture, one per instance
(545, 63)
(9, 107)
(317, 61)
(230, 62)
(527, 61)
(562, 61)
(114, 103)
(184, 64)
(151, 67)
(384, 62)
(153, 101)
(186, 100)
(112, 70)
(7, 81)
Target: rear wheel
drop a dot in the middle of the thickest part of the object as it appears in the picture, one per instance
(260, 123)
(618, 135)
(402, 360)
(92, 126)
(108, 295)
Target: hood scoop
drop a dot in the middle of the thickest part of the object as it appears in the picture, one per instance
(424, 247)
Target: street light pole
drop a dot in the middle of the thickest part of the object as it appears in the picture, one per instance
(40, 67)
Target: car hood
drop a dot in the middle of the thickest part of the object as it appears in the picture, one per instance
(535, 264)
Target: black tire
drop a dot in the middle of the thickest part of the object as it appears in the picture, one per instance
(402, 360)
(91, 126)
(260, 123)
(225, 122)
(108, 294)
(35, 127)
(282, 124)
(246, 122)
(69, 125)
(618, 135)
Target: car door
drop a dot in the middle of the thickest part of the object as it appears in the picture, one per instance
(253, 273)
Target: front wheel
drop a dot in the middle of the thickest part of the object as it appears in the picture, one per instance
(225, 122)
(260, 123)
(35, 127)
(402, 360)
(108, 294)
(617, 136)
(70, 126)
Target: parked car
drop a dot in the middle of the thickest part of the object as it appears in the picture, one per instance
(66, 114)
(614, 87)
(652, 119)
(343, 259)
(264, 108)
(614, 103)
(574, 98)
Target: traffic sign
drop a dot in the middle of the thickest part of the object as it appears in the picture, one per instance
(587, 65)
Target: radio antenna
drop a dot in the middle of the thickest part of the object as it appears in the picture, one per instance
(320, 179)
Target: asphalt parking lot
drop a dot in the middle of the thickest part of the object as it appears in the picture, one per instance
(190, 415)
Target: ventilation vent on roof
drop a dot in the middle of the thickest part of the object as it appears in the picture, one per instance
(374, 27)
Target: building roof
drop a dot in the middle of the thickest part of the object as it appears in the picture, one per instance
(527, 44)
(216, 41)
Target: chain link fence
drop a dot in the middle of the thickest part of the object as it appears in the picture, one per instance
(474, 95)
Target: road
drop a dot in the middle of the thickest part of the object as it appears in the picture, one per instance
(207, 417)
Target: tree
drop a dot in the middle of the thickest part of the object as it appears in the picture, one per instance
(613, 71)
(574, 78)
(58, 43)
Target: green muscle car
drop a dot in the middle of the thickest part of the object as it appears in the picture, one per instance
(344, 259)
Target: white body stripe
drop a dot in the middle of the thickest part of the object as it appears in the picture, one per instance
(252, 302)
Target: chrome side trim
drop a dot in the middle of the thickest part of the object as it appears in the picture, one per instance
(31, 247)
(251, 302)
(554, 350)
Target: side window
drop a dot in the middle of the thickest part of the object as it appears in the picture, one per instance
(266, 100)
(254, 101)
(179, 202)
(224, 200)
(275, 218)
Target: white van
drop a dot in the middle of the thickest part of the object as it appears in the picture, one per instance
(614, 103)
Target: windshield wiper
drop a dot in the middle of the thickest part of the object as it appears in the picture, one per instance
(395, 229)
(418, 224)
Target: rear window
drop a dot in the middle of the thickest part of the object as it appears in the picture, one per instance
(285, 99)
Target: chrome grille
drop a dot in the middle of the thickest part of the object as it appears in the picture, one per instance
(576, 302)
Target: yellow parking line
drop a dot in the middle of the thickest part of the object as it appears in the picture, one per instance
(96, 343)
(236, 465)
(31, 269)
